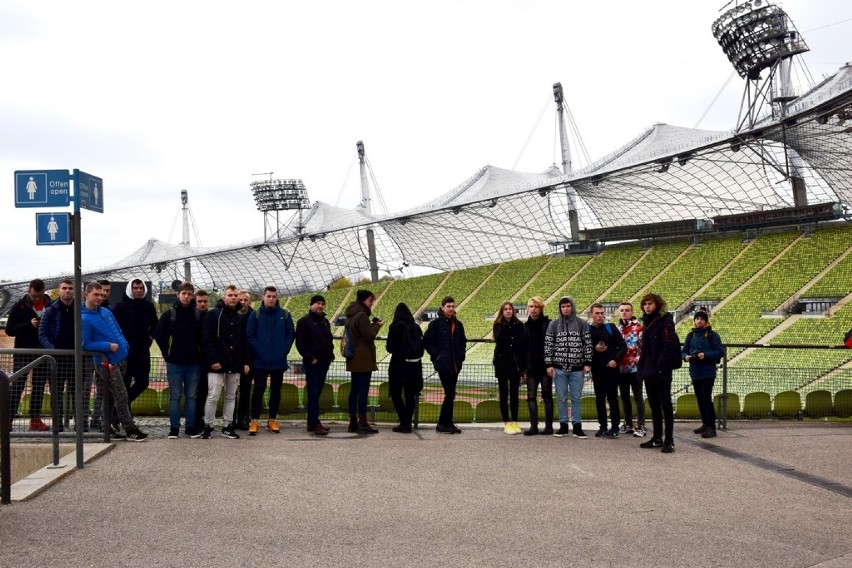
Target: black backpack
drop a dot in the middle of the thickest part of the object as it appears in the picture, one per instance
(413, 341)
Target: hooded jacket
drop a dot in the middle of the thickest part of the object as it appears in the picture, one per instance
(99, 329)
(363, 334)
(314, 339)
(270, 333)
(707, 341)
(137, 318)
(657, 346)
(224, 339)
(567, 343)
(180, 340)
(402, 334)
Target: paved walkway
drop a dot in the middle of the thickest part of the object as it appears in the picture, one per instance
(763, 494)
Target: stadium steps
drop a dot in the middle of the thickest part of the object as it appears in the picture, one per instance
(757, 274)
(765, 340)
(715, 277)
(561, 290)
(843, 301)
(478, 288)
(623, 276)
(342, 306)
(523, 289)
(801, 292)
(815, 384)
(431, 296)
(659, 275)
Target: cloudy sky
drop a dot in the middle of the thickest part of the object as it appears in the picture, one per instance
(160, 96)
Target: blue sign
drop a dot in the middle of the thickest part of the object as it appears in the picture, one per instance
(90, 191)
(42, 188)
(53, 228)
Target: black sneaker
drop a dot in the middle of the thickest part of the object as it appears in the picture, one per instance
(709, 433)
(193, 433)
(230, 432)
(97, 426)
(578, 431)
(207, 432)
(115, 433)
(563, 430)
(174, 433)
(548, 431)
(700, 430)
(456, 429)
(136, 435)
(533, 431)
(668, 448)
(600, 433)
(611, 433)
(441, 429)
(652, 443)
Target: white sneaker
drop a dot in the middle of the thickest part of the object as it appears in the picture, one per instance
(639, 432)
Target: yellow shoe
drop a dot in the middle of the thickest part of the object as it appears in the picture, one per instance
(507, 429)
(517, 428)
(253, 428)
(272, 426)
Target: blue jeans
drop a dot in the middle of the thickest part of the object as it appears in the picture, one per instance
(183, 382)
(565, 380)
(358, 394)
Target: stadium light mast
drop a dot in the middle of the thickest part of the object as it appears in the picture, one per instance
(573, 219)
(758, 36)
(275, 195)
(184, 201)
(366, 203)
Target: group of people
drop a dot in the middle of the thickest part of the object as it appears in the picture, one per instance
(235, 349)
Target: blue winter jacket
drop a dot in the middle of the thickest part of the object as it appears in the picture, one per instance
(99, 330)
(706, 341)
(270, 333)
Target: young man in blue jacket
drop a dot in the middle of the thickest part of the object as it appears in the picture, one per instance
(270, 334)
(101, 334)
(703, 350)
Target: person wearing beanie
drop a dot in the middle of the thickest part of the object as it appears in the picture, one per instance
(568, 357)
(659, 355)
(362, 332)
(703, 350)
(315, 344)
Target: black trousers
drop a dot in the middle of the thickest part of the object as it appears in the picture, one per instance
(626, 383)
(404, 386)
(546, 383)
(241, 414)
(659, 391)
(605, 381)
(704, 395)
(276, 379)
(508, 386)
(449, 380)
(136, 374)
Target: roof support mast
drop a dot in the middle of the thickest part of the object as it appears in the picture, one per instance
(366, 203)
(573, 219)
(184, 200)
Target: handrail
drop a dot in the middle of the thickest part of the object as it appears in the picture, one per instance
(5, 443)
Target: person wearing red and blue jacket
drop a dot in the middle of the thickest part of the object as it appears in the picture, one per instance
(628, 379)
(702, 349)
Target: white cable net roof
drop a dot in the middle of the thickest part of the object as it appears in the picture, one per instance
(668, 173)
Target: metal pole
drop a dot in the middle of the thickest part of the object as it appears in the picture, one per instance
(79, 414)
(5, 449)
(724, 412)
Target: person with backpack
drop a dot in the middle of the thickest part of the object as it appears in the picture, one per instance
(270, 333)
(405, 372)
(315, 344)
(510, 363)
(659, 355)
(608, 348)
(360, 353)
(178, 335)
(703, 350)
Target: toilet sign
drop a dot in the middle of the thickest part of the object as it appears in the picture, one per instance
(53, 228)
(42, 188)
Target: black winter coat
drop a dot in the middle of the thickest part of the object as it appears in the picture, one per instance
(446, 350)
(20, 324)
(608, 334)
(137, 318)
(180, 341)
(510, 349)
(224, 339)
(658, 346)
(535, 330)
(314, 339)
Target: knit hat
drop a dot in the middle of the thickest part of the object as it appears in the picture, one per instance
(701, 314)
(363, 295)
(316, 298)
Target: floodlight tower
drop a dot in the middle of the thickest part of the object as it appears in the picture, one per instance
(758, 36)
(275, 195)
(573, 219)
(184, 201)
(366, 203)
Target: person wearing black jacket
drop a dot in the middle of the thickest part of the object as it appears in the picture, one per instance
(137, 318)
(225, 357)
(609, 348)
(23, 324)
(659, 349)
(510, 363)
(405, 372)
(536, 327)
(315, 344)
(445, 342)
(178, 335)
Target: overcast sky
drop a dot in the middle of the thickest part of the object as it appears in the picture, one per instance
(160, 96)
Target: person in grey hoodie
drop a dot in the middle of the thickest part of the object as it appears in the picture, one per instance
(568, 357)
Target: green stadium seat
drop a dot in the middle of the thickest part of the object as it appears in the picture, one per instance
(429, 412)
(385, 402)
(343, 390)
(733, 405)
(462, 411)
(843, 403)
(146, 404)
(588, 408)
(787, 404)
(487, 411)
(289, 399)
(687, 407)
(818, 404)
(326, 398)
(24, 407)
(757, 405)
